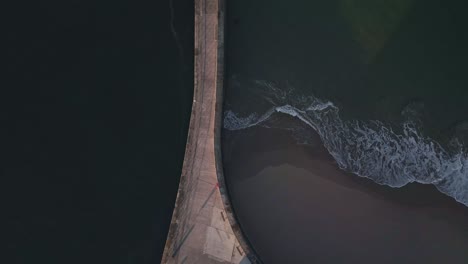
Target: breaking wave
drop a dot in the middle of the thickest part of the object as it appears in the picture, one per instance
(369, 149)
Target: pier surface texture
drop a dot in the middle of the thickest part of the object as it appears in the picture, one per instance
(203, 228)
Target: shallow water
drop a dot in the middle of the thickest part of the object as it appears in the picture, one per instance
(296, 206)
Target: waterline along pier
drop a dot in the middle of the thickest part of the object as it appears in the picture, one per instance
(203, 228)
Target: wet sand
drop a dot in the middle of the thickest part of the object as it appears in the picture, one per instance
(296, 206)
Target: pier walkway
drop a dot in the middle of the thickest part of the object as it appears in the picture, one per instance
(200, 230)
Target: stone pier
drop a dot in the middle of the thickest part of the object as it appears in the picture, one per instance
(202, 224)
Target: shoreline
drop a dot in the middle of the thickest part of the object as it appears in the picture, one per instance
(297, 205)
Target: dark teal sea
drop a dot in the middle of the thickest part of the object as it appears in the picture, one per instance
(94, 111)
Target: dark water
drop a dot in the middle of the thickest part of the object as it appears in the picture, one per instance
(312, 46)
(95, 106)
(381, 82)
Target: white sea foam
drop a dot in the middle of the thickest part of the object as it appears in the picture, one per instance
(369, 149)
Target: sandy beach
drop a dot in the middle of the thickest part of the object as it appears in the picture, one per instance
(296, 206)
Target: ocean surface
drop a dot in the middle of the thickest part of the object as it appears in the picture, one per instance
(380, 84)
(95, 105)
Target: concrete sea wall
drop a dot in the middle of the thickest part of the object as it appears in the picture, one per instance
(203, 228)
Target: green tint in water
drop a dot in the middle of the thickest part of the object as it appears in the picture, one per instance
(414, 54)
(374, 21)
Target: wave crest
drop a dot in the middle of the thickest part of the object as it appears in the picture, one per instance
(368, 149)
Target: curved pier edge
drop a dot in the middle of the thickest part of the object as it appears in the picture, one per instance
(199, 231)
(218, 125)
